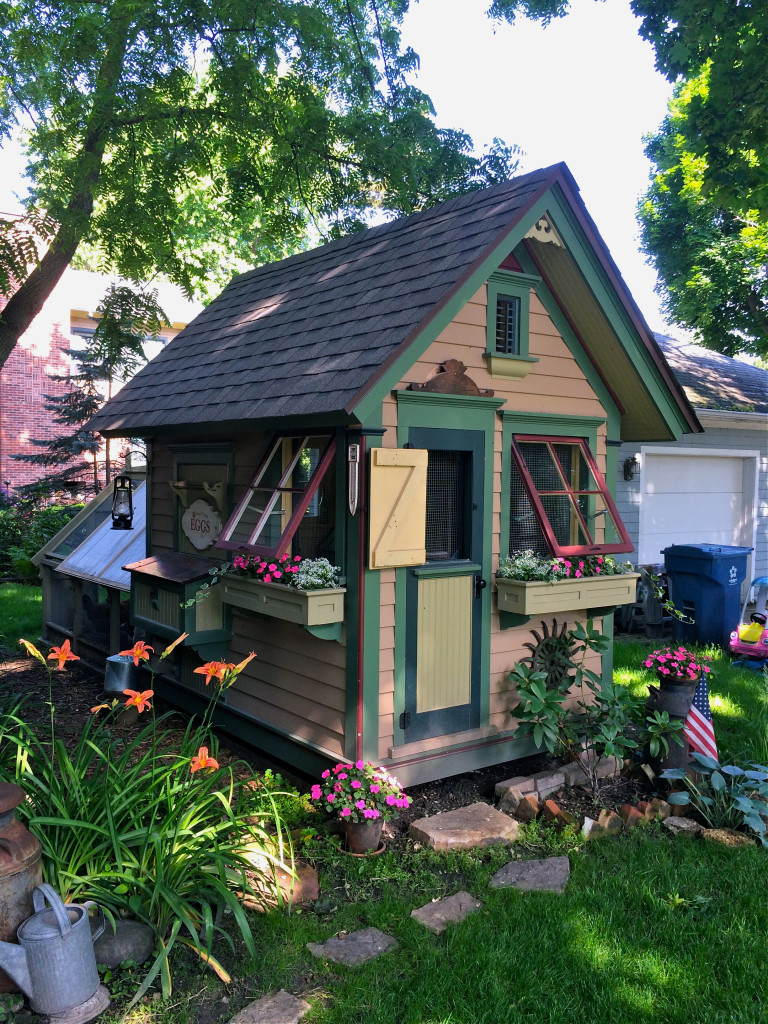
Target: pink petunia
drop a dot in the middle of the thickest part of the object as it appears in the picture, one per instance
(345, 812)
(331, 797)
(325, 774)
(375, 789)
(391, 800)
(355, 783)
(316, 792)
(359, 804)
(360, 765)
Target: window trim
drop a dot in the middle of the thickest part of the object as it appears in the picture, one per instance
(563, 550)
(300, 506)
(501, 284)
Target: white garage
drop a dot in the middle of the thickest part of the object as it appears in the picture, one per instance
(695, 496)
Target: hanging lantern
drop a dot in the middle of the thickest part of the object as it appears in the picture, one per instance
(122, 504)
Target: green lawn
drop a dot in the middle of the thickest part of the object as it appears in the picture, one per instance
(21, 613)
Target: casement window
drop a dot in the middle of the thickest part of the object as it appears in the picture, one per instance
(559, 502)
(290, 504)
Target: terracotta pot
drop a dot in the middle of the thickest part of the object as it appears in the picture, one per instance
(363, 836)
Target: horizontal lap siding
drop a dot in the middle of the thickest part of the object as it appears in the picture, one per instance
(297, 682)
(555, 384)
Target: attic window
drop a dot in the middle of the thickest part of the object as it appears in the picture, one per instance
(508, 325)
(289, 505)
(559, 502)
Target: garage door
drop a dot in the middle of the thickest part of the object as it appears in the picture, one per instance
(695, 498)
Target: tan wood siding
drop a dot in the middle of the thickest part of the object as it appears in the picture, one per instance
(555, 384)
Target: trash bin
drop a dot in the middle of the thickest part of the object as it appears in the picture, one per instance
(705, 584)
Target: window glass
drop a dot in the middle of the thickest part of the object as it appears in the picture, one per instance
(559, 502)
(290, 499)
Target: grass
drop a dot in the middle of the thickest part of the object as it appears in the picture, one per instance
(21, 612)
(651, 929)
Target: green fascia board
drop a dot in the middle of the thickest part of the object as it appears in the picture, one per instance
(227, 428)
(615, 311)
(440, 320)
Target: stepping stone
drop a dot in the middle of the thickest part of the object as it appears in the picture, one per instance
(476, 825)
(551, 874)
(353, 948)
(129, 940)
(437, 916)
(727, 837)
(677, 824)
(279, 1008)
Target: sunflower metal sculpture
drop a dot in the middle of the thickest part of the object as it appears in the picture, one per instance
(552, 652)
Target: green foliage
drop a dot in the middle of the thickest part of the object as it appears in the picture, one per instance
(658, 729)
(583, 712)
(727, 796)
(549, 840)
(196, 141)
(25, 528)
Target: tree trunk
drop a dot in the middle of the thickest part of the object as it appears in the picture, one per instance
(27, 301)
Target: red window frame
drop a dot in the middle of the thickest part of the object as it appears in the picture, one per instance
(623, 545)
(300, 506)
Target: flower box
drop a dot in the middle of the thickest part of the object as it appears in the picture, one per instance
(527, 598)
(305, 607)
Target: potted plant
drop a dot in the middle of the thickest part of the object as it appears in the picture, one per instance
(362, 797)
(529, 584)
(677, 666)
(302, 590)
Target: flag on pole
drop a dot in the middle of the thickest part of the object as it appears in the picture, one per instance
(698, 728)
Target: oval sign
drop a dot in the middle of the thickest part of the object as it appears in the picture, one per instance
(201, 523)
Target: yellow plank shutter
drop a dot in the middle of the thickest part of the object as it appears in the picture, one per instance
(398, 507)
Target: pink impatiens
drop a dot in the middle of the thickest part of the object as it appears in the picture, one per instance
(359, 791)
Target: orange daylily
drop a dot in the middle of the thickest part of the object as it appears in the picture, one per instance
(213, 670)
(99, 707)
(170, 647)
(237, 669)
(202, 760)
(139, 652)
(138, 699)
(33, 652)
(62, 654)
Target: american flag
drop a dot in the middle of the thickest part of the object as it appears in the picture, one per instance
(698, 728)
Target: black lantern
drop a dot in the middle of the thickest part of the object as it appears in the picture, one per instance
(122, 504)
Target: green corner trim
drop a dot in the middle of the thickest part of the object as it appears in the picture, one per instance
(468, 403)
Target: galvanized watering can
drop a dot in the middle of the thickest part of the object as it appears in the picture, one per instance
(54, 963)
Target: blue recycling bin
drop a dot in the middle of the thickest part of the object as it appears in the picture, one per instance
(705, 584)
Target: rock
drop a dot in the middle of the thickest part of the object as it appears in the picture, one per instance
(476, 825)
(610, 822)
(591, 829)
(727, 837)
(646, 809)
(555, 813)
(279, 1008)
(548, 782)
(551, 874)
(661, 809)
(353, 948)
(510, 800)
(528, 808)
(630, 815)
(130, 940)
(677, 824)
(521, 783)
(437, 916)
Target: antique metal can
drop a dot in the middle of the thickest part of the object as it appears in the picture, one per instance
(20, 870)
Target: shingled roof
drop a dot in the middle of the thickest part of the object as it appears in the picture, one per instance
(309, 335)
(714, 381)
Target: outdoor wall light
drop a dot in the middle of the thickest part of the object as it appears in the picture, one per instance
(122, 504)
(631, 466)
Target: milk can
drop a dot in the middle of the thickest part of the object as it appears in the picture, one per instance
(20, 871)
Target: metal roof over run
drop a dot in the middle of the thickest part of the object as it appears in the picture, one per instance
(101, 556)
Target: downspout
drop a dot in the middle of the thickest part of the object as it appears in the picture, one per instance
(361, 527)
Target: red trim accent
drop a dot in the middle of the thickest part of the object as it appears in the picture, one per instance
(534, 495)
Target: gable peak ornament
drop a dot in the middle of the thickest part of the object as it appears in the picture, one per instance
(450, 379)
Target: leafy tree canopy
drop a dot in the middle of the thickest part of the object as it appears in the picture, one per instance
(712, 260)
(179, 138)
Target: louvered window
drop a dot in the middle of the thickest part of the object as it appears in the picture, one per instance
(508, 325)
(290, 503)
(559, 502)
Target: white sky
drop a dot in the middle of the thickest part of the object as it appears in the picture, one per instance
(584, 91)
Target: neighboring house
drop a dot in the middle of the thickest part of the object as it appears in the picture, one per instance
(68, 315)
(412, 401)
(703, 488)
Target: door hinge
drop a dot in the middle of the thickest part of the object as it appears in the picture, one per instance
(405, 719)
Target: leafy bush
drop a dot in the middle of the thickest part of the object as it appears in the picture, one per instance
(727, 796)
(147, 829)
(24, 529)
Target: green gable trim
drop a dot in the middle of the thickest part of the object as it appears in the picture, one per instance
(469, 404)
(618, 317)
(503, 284)
(437, 322)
